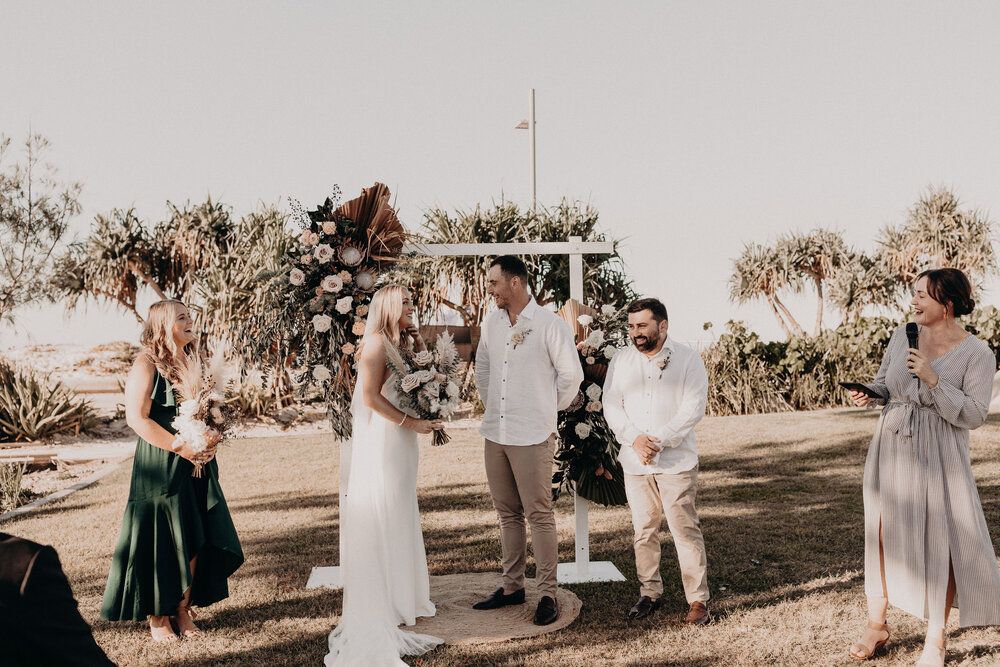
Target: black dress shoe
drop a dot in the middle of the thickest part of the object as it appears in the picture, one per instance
(547, 611)
(500, 599)
(643, 608)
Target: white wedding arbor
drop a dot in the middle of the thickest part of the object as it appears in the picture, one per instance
(582, 570)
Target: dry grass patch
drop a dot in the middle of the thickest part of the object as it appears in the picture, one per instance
(781, 509)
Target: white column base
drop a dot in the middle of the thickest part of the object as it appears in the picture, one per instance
(569, 573)
(326, 577)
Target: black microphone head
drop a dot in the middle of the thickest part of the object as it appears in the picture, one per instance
(912, 332)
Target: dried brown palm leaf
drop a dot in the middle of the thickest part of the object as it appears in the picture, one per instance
(372, 212)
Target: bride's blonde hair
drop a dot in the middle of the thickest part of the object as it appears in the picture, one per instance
(385, 311)
(157, 338)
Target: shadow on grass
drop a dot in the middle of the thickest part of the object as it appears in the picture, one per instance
(307, 649)
(284, 503)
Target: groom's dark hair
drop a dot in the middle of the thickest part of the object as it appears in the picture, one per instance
(512, 267)
(654, 306)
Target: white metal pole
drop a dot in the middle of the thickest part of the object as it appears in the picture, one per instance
(582, 533)
(531, 132)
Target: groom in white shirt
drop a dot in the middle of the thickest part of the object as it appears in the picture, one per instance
(527, 369)
(654, 394)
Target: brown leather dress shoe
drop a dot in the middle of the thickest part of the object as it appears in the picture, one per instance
(698, 614)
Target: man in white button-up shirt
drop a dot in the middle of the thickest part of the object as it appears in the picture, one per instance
(527, 369)
(654, 394)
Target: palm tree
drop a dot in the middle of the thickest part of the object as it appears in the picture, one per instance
(816, 256)
(860, 282)
(459, 283)
(937, 233)
(115, 259)
(761, 273)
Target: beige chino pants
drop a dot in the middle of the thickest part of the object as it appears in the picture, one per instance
(650, 497)
(520, 480)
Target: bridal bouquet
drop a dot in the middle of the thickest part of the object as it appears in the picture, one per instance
(428, 383)
(203, 393)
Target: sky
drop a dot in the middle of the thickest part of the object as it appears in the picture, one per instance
(693, 127)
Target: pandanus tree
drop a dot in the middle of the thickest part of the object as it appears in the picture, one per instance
(458, 284)
(938, 232)
(760, 273)
(861, 283)
(815, 257)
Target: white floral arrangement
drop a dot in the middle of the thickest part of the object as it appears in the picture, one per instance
(204, 391)
(332, 271)
(588, 452)
(429, 383)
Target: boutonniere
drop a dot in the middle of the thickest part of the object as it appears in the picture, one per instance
(518, 336)
(662, 363)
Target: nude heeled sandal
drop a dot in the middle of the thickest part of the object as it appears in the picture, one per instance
(861, 651)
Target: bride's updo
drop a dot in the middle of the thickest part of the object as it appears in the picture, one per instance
(385, 311)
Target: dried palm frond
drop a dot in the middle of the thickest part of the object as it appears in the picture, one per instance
(373, 213)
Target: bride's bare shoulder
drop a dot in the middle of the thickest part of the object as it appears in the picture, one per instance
(374, 347)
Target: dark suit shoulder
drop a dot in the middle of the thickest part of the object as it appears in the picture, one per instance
(16, 557)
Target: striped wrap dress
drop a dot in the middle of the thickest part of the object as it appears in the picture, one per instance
(918, 484)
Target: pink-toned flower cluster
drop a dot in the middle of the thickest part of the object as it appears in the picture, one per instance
(429, 383)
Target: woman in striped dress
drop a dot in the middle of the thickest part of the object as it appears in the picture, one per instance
(927, 547)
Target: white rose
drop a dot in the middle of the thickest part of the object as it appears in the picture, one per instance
(332, 284)
(585, 320)
(452, 389)
(594, 392)
(409, 383)
(582, 430)
(324, 253)
(322, 323)
(594, 406)
(595, 338)
(424, 376)
(609, 352)
(608, 310)
(296, 277)
(321, 373)
(423, 358)
(591, 361)
(344, 305)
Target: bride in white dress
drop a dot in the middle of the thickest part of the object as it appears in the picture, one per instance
(381, 545)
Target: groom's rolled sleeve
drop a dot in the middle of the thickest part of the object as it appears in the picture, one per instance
(483, 365)
(692, 407)
(566, 361)
(614, 409)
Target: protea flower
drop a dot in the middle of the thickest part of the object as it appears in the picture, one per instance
(365, 280)
(350, 255)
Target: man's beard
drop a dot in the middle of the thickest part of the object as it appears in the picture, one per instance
(646, 344)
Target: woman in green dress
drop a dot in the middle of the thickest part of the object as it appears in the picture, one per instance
(177, 545)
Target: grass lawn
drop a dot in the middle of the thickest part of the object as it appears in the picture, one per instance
(780, 503)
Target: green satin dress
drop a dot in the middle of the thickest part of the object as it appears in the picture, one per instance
(170, 517)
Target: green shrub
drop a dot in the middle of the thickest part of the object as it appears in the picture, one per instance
(33, 408)
(748, 376)
(741, 377)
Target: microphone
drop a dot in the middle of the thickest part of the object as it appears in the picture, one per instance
(912, 332)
